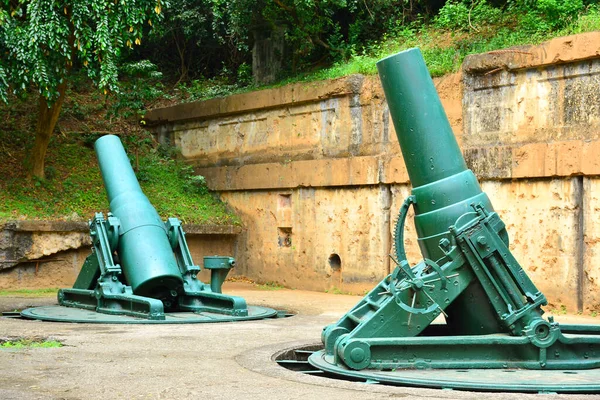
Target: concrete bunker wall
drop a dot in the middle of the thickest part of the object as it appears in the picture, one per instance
(315, 172)
(50, 254)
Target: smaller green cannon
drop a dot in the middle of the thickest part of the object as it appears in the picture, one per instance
(141, 267)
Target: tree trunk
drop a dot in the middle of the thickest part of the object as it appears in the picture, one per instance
(47, 118)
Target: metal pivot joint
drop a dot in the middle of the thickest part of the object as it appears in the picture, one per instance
(492, 310)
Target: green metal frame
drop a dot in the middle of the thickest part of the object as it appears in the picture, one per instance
(492, 309)
(99, 286)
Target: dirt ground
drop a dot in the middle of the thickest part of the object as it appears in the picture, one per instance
(211, 361)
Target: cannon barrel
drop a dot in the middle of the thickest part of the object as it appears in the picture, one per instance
(145, 254)
(443, 187)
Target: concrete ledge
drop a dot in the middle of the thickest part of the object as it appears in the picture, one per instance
(263, 99)
(45, 226)
(351, 171)
(529, 160)
(80, 226)
(28, 241)
(196, 229)
(556, 51)
(536, 160)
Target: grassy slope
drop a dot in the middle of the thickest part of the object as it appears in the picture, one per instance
(74, 189)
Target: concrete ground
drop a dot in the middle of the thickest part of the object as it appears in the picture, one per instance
(209, 361)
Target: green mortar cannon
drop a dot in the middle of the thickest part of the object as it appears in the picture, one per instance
(140, 266)
(492, 309)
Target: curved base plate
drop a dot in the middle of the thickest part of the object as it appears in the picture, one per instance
(69, 314)
(491, 380)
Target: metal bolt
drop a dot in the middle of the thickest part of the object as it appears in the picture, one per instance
(444, 244)
(481, 240)
(357, 355)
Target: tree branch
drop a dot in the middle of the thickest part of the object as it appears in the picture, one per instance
(318, 41)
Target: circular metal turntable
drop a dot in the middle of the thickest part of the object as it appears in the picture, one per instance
(489, 380)
(68, 314)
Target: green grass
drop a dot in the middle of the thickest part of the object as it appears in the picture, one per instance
(336, 290)
(74, 190)
(270, 286)
(29, 292)
(29, 343)
(445, 50)
(561, 310)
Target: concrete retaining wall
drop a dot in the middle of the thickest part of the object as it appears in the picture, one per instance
(47, 254)
(315, 173)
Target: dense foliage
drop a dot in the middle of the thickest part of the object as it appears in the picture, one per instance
(41, 40)
(211, 40)
(214, 38)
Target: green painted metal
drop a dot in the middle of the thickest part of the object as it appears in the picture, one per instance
(492, 309)
(140, 266)
(416, 110)
(144, 250)
(472, 379)
(219, 268)
(79, 315)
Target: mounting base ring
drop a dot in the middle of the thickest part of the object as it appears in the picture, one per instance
(69, 314)
(490, 380)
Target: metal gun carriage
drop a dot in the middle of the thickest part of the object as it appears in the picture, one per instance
(141, 269)
(493, 312)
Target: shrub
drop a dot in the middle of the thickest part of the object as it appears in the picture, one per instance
(467, 15)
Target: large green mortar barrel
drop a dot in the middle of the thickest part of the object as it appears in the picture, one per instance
(146, 256)
(443, 187)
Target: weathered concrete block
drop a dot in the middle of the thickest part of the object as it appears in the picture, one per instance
(49, 254)
(518, 96)
(394, 170)
(530, 160)
(329, 246)
(542, 220)
(556, 51)
(31, 240)
(590, 159)
(591, 244)
(490, 162)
